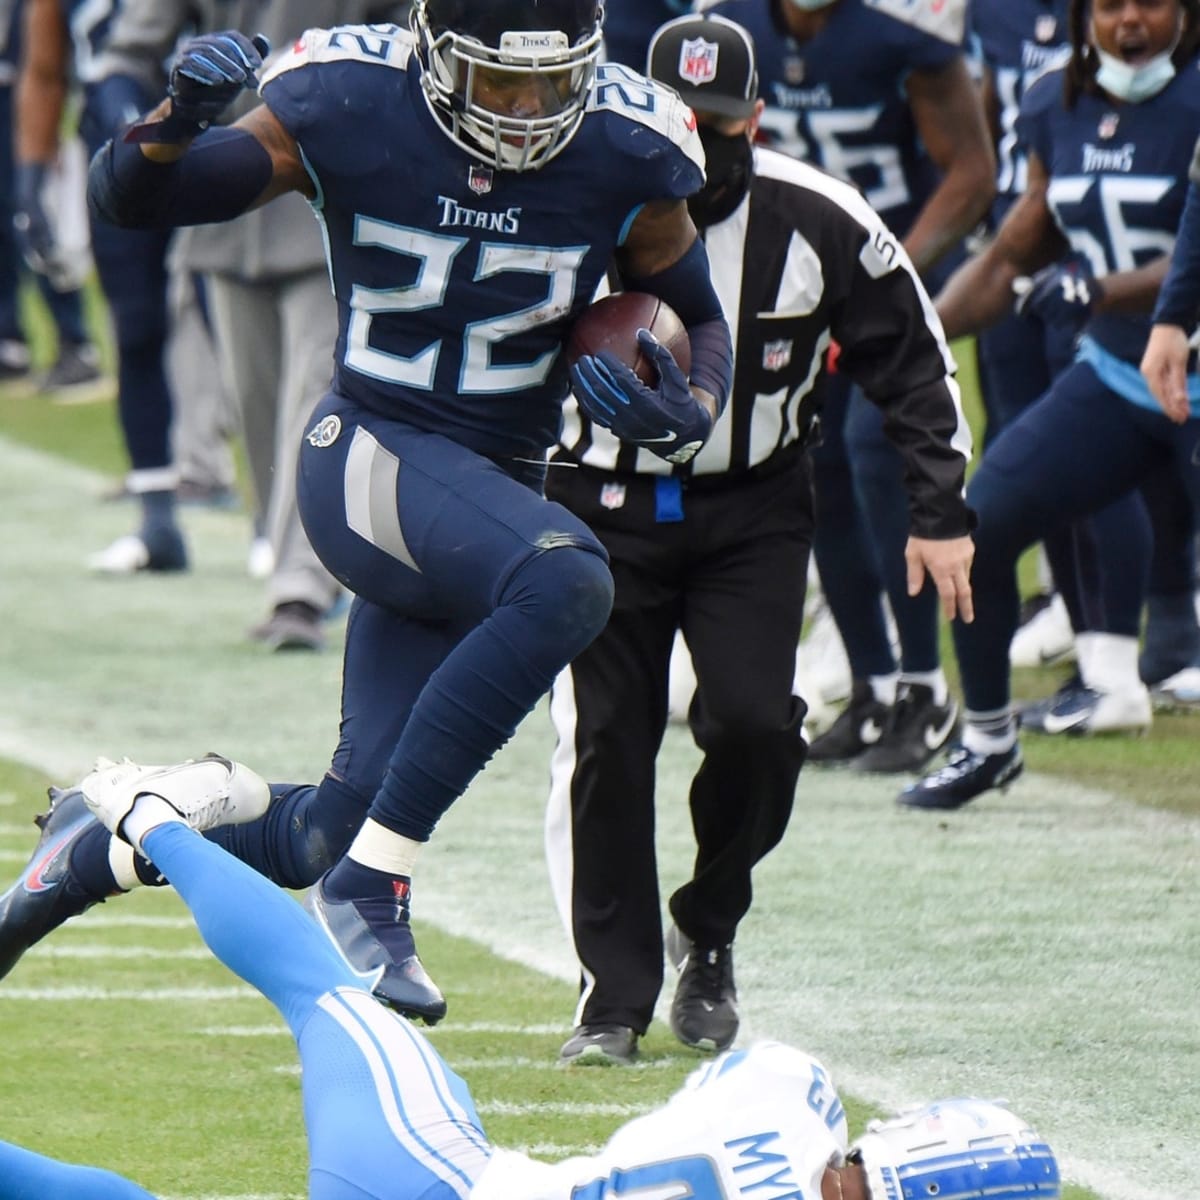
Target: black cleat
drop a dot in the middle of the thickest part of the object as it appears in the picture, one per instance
(600, 1045)
(916, 729)
(45, 895)
(399, 981)
(859, 726)
(704, 1009)
(964, 776)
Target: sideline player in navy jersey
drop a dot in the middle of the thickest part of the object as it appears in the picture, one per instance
(76, 365)
(64, 37)
(1018, 357)
(880, 94)
(475, 178)
(387, 1119)
(1110, 137)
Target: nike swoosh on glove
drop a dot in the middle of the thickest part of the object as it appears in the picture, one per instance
(667, 420)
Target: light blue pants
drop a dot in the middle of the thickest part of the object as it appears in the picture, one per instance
(386, 1118)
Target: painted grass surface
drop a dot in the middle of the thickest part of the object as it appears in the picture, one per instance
(1043, 945)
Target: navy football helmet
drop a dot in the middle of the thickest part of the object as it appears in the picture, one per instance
(962, 1148)
(508, 80)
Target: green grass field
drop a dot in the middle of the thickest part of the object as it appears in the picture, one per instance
(1042, 945)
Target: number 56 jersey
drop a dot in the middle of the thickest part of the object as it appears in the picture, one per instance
(456, 282)
(762, 1122)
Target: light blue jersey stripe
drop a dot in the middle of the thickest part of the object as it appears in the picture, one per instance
(1126, 380)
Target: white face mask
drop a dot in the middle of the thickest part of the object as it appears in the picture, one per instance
(1135, 83)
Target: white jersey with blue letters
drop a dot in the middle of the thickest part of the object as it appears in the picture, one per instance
(763, 1122)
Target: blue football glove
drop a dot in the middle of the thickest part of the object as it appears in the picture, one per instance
(667, 420)
(1061, 296)
(208, 74)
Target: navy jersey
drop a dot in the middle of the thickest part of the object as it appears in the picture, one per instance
(89, 22)
(630, 24)
(1018, 40)
(1118, 176)
(839, 100)
(456, 283)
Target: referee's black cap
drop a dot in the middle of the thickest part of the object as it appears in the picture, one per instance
(709, 60)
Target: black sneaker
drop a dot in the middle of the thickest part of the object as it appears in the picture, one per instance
(704, 1009)
(76, 377)
(292, 625)
(399, 981)
(1032, 714)
(859, 726)
(600, 1045)
(964, 776)
(916, 729)
(45, 895)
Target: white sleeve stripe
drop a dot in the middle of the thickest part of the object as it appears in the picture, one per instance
(390, 1051)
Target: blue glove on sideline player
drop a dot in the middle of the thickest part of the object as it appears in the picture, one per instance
(1061, 295)
(208, 74)
(667, 420)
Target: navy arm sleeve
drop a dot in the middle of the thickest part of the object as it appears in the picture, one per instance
(221, 176)
(1179, 297)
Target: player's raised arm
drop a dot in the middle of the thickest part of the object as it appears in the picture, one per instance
(171, 169)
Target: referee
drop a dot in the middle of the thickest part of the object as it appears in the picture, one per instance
(719, 549)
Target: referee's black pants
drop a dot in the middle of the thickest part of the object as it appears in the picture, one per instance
(731, 574)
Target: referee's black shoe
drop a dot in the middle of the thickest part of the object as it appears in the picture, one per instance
(704, 1010)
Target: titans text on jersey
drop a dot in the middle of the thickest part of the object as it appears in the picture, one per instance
(1117, 181)
(515, 254)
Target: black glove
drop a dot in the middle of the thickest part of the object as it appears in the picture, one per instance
(208, 74)
(668, 419)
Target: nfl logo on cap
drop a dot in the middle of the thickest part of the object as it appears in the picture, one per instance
(698, 61)
(709, 60)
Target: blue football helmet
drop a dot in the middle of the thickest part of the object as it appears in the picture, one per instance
(508, 80)
(961, 1148)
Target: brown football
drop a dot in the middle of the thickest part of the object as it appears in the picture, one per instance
(612, 324)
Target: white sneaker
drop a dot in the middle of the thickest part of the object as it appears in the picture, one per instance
(205, 793)
(126, 556)
(1087, 711)
(1044, 639)
(260, 562)
(1181, 690)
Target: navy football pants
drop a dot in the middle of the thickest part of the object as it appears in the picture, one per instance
(472, 593)
(1077, 450)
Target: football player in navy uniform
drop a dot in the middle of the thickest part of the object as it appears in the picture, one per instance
(880, 94)
(387, 1119)
(64, 38)
(474, 177)
(1110, 138)
(77, 357)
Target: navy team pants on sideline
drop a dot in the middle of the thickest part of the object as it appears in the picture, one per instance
(386, 1118)
(1080, 448)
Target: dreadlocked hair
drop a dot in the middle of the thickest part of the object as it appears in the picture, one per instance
(1080, 72)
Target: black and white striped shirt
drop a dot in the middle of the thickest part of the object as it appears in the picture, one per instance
(804, 261)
